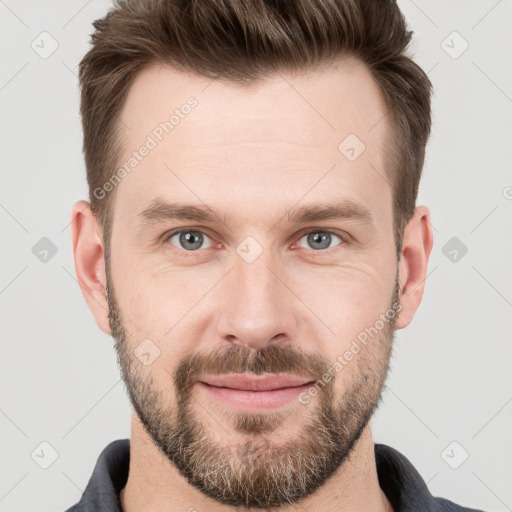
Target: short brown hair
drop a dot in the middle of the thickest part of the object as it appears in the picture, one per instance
(244, 41)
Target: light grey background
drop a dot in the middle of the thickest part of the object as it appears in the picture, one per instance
(450, 379)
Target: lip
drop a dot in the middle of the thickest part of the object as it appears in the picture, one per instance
(252, 395)
(266, 383)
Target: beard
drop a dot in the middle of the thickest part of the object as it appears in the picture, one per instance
(252, 469)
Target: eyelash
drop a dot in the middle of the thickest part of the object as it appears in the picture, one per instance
(342, 236)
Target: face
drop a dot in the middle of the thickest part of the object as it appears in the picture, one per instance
(245, 242)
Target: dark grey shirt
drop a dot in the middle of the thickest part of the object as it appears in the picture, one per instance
(402, 484)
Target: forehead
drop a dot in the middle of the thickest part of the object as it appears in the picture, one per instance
(285, 131)
(337, 97)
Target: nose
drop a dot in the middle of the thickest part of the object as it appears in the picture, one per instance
(257, 307)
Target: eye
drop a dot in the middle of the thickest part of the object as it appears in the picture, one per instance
(189, 239)
(319, 240)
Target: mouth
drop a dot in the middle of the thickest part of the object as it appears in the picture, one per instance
(250, 394)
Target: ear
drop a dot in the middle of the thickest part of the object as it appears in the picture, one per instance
(89, 258)
(416, 247)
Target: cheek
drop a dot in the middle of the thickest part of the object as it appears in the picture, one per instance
(347, 299)
(161, 306)
(152, 296)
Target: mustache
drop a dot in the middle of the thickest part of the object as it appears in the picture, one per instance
(273, 359)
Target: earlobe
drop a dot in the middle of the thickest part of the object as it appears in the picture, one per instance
(416, 248)
(89, 259)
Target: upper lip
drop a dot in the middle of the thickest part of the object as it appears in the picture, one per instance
(255, 383)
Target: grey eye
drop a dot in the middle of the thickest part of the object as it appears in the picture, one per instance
(319, 240)
(189, 240)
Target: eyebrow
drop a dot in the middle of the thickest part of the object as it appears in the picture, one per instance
(160, 210)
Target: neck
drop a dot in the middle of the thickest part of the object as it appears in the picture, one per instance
(155, 484)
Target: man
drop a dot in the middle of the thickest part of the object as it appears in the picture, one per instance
(252, 243)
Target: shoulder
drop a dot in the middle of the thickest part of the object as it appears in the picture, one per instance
(404, 486)
(108, 478)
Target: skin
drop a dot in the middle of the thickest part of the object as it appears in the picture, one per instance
(252, 153)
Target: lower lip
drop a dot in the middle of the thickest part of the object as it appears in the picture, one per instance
(249, 401)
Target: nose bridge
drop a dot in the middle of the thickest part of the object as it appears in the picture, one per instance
(255, 283)
(256, 305)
